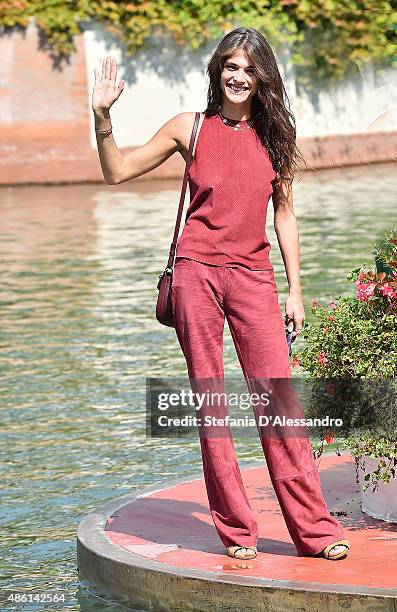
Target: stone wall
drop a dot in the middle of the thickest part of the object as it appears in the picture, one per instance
(47, 123)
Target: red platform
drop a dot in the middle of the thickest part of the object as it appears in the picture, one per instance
(172, 529)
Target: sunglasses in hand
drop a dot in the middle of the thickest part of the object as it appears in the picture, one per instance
(290, 338)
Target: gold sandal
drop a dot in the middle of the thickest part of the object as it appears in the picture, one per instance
(325, 553)
(231, 551)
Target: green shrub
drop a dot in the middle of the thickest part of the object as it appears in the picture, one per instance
(350, 355)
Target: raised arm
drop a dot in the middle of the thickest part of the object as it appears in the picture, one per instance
(156, 151)
(116, 167)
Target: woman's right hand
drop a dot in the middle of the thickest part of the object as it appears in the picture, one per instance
(105, 92)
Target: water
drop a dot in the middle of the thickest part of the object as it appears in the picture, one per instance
(79, 267)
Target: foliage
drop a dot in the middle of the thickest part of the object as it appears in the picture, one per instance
(354, 336)
(384, 248)
(327, 38)
(382, 448)
(351, 357)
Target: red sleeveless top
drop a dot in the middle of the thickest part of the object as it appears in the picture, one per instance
(230, 182)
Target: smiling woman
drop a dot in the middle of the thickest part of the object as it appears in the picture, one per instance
(245, 152)
(238, 79)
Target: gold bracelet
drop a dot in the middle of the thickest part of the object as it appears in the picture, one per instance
(108, 131)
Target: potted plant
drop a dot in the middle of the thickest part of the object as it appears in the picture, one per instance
(350, 364)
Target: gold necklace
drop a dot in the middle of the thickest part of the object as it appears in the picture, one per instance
(235, 126)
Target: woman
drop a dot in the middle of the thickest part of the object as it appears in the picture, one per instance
(245, 152)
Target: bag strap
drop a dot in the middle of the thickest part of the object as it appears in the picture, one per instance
(183, 192)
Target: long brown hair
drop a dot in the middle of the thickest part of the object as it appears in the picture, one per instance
(273, 122)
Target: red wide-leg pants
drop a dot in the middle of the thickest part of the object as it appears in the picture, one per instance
(202, 295)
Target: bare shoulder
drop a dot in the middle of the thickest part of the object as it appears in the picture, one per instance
(183, 125)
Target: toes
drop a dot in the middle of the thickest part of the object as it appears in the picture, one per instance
(245, 552)
(336, 550)
(240, 553)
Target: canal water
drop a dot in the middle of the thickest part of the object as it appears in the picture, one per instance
(79, 267)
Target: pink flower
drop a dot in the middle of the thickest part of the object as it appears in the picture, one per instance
(314, 302)
(332, 305)
(387, 290)
(330, 437)
(364, 290)
(295, 361)
(322, 358)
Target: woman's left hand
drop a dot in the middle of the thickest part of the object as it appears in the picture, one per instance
(294, 314)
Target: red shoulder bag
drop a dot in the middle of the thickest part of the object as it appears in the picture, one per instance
(163, 306)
